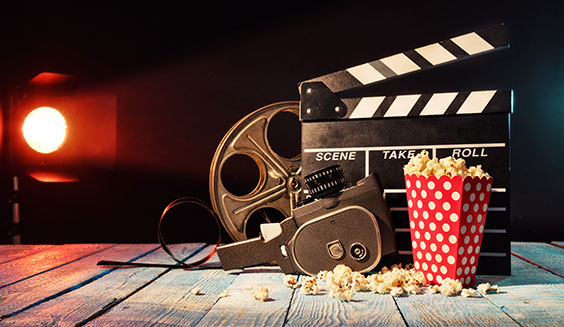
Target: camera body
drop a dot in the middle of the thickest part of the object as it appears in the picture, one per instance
(351, 226)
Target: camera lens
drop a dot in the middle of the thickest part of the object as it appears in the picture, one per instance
(358, 251)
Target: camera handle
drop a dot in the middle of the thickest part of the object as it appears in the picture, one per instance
(260, 250)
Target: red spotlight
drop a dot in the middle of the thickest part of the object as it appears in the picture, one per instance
(61, 129)
(45, 129)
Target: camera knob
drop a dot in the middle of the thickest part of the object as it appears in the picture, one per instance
(326, 181)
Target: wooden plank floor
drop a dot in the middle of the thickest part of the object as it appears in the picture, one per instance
(61, 285)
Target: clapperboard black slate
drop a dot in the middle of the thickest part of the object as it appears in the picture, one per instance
(379, 134)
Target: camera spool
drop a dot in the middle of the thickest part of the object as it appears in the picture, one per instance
(325, 181)
(279, 184)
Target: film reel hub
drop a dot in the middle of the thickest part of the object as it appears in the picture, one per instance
(279, 182)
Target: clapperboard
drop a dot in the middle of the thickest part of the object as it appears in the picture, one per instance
(379, 134)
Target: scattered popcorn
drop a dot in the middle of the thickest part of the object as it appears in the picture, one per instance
(344, 294)
(485, 288)
(310, 286)
(195, 291)
(223, 294)
(434, 289)
(450, 287)
(396, 291)
(291, 281)
(359, 282)
(421, 164)
(469, 292)
(260, 294)
(322, 275)
(409, 280)
(412, 289)
(340, 282)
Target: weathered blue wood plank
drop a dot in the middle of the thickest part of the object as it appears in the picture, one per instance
(21, 296)
(16, 251)
(168, 301)
(94, 299)
(544, 255)
(366, 309)
(440, 310)
(241, 309)
(532, 296)
(31, 265)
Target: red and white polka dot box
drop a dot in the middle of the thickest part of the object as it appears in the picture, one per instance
(446, 219)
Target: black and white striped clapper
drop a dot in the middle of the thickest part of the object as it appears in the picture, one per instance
(379, 134)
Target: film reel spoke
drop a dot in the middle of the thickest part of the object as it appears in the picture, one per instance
(270, 157)
(261, 198)
(279, 183)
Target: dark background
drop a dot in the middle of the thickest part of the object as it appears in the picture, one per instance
(184, 75)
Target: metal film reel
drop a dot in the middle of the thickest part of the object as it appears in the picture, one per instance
(279, 184)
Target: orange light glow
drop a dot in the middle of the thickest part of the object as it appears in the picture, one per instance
(45, 129)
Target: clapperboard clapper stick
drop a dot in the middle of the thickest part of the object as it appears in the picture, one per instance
(378, 134)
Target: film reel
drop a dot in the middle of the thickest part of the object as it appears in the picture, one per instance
(279, 183)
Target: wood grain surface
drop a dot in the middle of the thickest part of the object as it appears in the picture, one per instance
(365, 309)
(94, 299)
(16, 251)
(63, 286)
(53, 283)
(544, 255)
(54, 257)
(240, 308)
(168, 301)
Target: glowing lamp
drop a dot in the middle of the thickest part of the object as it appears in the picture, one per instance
(45, 129)
(61, 129)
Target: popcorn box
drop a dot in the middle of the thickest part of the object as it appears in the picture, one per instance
(446, 219)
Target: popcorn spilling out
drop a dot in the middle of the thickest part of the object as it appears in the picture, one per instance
(342, 283)
(291, 281)
(421, 164)
(310, 286)
(260, 294)
(388, 280)
(470, 292)
(450, 287)
(195, 291)
(485, 288)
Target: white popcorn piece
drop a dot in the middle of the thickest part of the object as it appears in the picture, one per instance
(359, 282)
(195, 291)
(291, 281)
(322, 275)
(450, 287)
(412, 289)
(434, 289)
(310, 286)
(223, 294)
(340, 282)
(469, 292)
(396, 291)
(344, 295)
(485, 288)
(421, 164)
(260, 294)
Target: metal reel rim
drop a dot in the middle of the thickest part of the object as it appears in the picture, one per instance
(218, 161)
